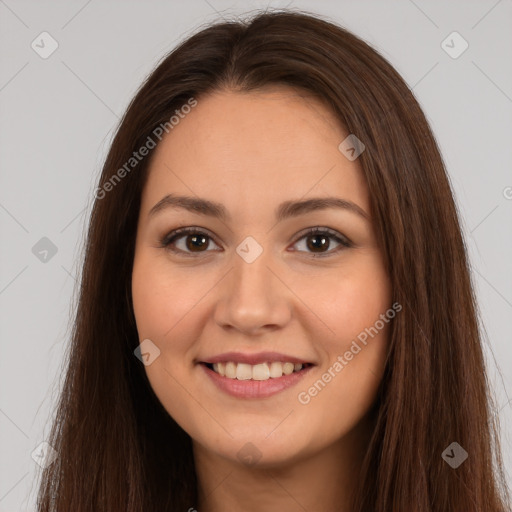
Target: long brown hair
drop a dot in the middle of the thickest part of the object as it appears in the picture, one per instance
(119, 450)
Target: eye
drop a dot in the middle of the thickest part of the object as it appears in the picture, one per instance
(194, 240)
(318, 241)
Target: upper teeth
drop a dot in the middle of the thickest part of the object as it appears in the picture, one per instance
(262, 371)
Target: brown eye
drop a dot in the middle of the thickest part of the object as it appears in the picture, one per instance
(193, 242)
(315, 242)
(187, 241)
(318, 242)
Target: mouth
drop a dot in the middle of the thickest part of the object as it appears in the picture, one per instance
(258, 381)
(257, 372)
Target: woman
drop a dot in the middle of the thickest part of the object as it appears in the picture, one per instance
(276, 310)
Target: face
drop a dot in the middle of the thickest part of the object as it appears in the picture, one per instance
(250, 286)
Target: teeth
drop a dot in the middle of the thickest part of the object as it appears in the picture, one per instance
(262, 371)
(220, 368)
(287, 368)
(231, 370)
(243, 371)
(276, 369)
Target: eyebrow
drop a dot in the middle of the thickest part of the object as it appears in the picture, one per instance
(285, 210)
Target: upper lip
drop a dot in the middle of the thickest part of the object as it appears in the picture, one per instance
(252, 359)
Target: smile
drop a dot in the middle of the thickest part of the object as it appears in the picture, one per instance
(242, 380)
(262, 371)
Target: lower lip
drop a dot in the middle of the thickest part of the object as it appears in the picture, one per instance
(255, 388)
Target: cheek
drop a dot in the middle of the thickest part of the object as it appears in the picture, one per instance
(162, 299)
(162, 306)
(355, 309)
(352, 301)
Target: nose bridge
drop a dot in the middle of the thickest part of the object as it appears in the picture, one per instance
(252, 296)
(252, 276)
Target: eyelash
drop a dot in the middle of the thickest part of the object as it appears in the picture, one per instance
(170, 238)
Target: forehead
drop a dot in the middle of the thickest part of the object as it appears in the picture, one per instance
(236, 148)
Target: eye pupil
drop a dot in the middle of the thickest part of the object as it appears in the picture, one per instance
(195, 244)
(321, 244)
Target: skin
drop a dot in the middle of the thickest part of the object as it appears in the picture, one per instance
(250, 152)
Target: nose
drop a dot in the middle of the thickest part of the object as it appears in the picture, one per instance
(253, 298)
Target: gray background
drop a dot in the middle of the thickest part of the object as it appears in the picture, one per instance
(57, 118)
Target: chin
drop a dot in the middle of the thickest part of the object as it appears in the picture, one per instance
(260, 453)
